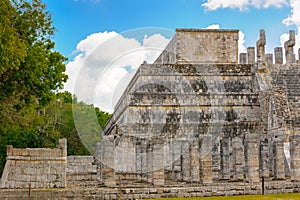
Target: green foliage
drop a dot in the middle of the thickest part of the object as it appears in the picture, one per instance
(102, 117)
(66, 125)
(32, 112)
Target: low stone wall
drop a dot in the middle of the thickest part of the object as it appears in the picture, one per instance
(81, 168)
(35, 167)
(144, 192)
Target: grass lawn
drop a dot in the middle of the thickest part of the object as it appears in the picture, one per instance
(293, 196)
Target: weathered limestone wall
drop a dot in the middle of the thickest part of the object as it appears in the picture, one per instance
(215, 120)
(40, 168)
(81, 168)
(146, 192)
(196, 46)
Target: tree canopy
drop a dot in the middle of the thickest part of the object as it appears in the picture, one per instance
(32, 111)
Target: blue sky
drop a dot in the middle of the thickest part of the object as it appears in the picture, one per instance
(76, 19)
(107, 40)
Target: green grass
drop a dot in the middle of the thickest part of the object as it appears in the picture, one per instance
(293, 196)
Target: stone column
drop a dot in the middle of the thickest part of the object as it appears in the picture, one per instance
(62, 144)
(251, 55)
(278, 158)
(243, 58)
(98, 158)
(176, 160)
(264, 159)
(225, 159)
(195, 170)
(299, 56)
(108, 161)
(295, 157)
(238, 158)
(158, 162)
(150, 162)
(186, 161)
(216, 157)
(141, 159)
(289, 48)
(278, 55)
(206, 159)
(260, 46)
(269, 58)
(251, 158)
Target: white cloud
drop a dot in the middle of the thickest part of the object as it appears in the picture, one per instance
(243, 4)
(106, 63)
(213, 26)
(242, 48)
(293, 19)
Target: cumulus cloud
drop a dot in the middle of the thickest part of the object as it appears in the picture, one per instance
(213, 26)
(106, 63)
(293, 19)
(242, 48)
(243, 4)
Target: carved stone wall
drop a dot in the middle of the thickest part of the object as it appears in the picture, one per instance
(196, 46)
(35, 168)
(196, 116)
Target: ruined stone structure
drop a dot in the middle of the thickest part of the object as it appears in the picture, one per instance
(197, 116)
(202, 120)
(35, 168)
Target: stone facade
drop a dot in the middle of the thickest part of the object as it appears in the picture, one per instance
(81, 168)
(196, 115)
(193, 46)
(194, 118)
(152, 192)
(35, 168)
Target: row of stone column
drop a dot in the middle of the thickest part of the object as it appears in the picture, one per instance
(245, 159)
(262, 57)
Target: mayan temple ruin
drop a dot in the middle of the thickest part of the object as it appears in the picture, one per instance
(198, 115)
(201, 115)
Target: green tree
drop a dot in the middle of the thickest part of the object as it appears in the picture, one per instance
(31, 71)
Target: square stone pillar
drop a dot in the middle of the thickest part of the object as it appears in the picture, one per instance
(186, 161)
(158, 162)
(299, 56)
(238, 158)
(206, 159)
(295, 157)
(269, 58)
(150, 162)
(251, 158)
(264, 159)
(251, 55)
(108, 161)
(141, 159)
(216, 158)
(225, 159)
(278, 158)
(176, 160)
(195, 161)
(278, 55)
(98, 159)
(243, 58)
